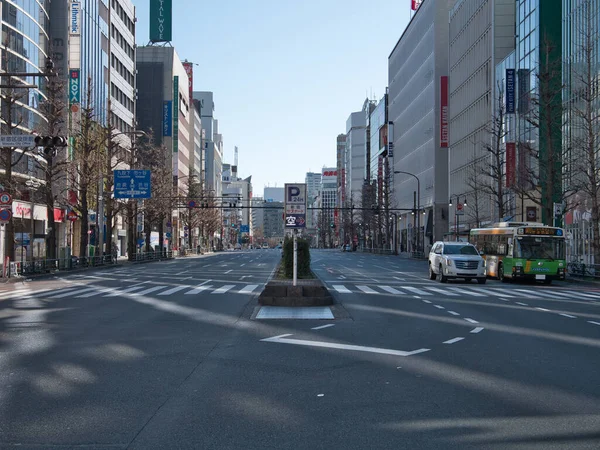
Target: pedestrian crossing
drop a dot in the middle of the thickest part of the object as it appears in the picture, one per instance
(143, 289)
(474, 291)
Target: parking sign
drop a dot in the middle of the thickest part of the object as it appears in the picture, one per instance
(295, 205)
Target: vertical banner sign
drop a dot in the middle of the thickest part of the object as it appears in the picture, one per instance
(510, 91)
(295, 205)
(74, 86)
(511, 163)
(390, 138)
(74, 20)
(444, 112)
(175, 114)
(161, 18)
(167, 118)
(414, 4)
(189, 69)
(523, 76)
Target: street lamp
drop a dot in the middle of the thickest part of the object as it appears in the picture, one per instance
(458, 212)
(417, 207)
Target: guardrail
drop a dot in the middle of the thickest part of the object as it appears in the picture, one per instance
(154, 256)
(42, 266)
(579, 269)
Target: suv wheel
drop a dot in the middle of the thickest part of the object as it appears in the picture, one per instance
(432, 274)
(443, 278)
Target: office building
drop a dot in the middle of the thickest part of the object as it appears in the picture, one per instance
(313, 186)
(356, 141)
(273, 194)
(418, 108)
(213, 141)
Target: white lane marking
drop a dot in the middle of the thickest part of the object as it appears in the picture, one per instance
(223, 289)
(441, 291)
(324, 326)
(229, 271)
(14, 293)
(452, 341)
(543, 309)
(242, 265)
(522, 304)
(366, 289)
(97, 292)
(391, 290)
(426, 301)
(173, 290)
(124, 291)
(70, 292)
(592, 322)
(453, 313)
(470, 320)
(439, 307)
(563, 294)
(416, 291)
(476, 330)
(568, 315)
(342, 277)
(149, 290)
(467, 292)
(28, 293)
(341, 289)
(357, 348)
(248, 289)
(399, 279)
(583, 294)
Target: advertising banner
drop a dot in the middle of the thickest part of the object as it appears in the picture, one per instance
(167, 118)
(75, 19)
(161, 20)
(510, 91)
(444, 112)
(175, 114)
(189, 70)
(74, 87)
(511, 163)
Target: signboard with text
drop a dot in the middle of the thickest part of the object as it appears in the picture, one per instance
(167, 118)
(74, 86)
(444, 112)
(510, 91)
(295, 205)
(132, 184)
(161, 20)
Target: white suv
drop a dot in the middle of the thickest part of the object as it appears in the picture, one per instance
(456, 260)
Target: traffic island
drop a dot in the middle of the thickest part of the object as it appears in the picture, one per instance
(310, 292)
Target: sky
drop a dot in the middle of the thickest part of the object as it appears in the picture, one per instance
(285, 74)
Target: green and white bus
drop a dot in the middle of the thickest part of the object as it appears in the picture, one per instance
(522, 250)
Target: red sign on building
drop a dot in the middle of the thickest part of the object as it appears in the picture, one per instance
(189, 70)
(444, 112)
(511, 162)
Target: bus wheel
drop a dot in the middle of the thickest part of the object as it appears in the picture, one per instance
(501, 276)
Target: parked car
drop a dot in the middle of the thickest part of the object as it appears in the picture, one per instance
(456, 260)
(347, 248)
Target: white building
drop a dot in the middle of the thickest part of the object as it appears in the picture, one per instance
(329, 195)
(417, 102)
(313, 186)
(213, 142)
(481, 36)
(356, 139)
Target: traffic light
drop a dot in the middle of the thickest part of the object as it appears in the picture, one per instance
(50, 143)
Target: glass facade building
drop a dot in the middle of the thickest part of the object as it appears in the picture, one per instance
(25, 44)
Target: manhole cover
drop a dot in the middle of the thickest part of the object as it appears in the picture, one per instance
(290, 312)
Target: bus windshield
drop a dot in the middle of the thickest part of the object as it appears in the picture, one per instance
(540, 248)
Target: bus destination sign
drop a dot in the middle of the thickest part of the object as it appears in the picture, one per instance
(541, 231)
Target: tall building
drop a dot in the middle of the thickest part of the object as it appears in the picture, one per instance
(418, 108)
(378, 150)
(213, 141)
(481, 36)
(258, 220)
(356, 140)
(273, 194)
(329, 176)
(341, 162)
(313, 186)
(273, 222)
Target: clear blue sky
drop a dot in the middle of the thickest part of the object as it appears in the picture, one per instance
(285, 74)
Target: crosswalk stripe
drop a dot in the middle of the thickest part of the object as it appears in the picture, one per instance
(124, 291)
(173, 290)
(223, 289)
(416, 291)
(595, 297)
(96, 292)
(464, 291)
(565, 294)
(495, 292)
(248, 289)
(15, 293)
(441, 291)
(69, 292)
(341, 289)
(366, 289)
(391, 290)
(535, 293)
(149, 290)
(198, 289)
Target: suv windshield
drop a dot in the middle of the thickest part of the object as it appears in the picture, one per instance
(460, 250)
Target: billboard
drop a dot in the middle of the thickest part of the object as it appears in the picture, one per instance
(161, 20)
(75, 19)
(510, 91)
(167, 118)
(295, 205)
(74, 86)
(444, 112)
(175, 114)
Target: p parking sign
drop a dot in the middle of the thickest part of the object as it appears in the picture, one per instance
(295, 205)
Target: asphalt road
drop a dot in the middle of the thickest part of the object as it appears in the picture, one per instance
(169, 355)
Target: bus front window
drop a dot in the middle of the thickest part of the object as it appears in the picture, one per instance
(540, 248)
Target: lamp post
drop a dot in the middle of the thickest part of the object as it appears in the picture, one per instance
(457, 213)
(417, 206)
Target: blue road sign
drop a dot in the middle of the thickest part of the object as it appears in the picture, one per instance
(245, 229)
(132, 184)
